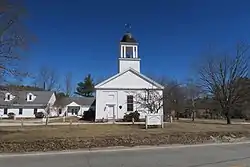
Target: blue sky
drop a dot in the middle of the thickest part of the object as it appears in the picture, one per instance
(83, 36)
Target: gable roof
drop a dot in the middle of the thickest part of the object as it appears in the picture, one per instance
(64, 101)
(159, 86)
(42, 98)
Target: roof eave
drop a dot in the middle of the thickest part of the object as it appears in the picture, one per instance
(134, 71)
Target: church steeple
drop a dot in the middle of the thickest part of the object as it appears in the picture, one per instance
(128, 52)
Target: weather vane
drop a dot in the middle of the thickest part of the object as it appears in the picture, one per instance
(127, 27)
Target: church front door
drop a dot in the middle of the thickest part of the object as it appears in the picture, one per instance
(111, 112)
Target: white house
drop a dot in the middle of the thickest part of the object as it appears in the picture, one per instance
(25, 104)
(73, 106)
(118, 95)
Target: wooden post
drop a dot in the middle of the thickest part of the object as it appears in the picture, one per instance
(47, 120)
(113, 119)
(64, 118)
(133, 121)
(171, 119)
(146, 122)
(22, 122)
(162, 122)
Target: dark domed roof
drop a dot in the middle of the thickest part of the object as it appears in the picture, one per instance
(128, 38)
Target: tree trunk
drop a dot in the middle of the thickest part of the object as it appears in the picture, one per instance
(193, 116)
(193, 105)
(47, 120)
(228, 116)
(228, 119)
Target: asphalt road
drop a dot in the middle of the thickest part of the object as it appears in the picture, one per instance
(204, 156)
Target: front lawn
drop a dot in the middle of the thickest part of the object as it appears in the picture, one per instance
(41, 138)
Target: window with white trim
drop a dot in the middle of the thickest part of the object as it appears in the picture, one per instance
(130, 103)
(5, 111)
(35, 111)
(20, 111)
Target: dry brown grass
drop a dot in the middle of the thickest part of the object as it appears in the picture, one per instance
(67, 119)
(88, 131)
(213, 121)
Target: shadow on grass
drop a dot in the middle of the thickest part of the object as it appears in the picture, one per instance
(140, 126)
(210, 122)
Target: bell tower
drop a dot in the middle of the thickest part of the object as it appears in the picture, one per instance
(128, 52)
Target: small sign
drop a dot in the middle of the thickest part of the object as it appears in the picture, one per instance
(154, 119)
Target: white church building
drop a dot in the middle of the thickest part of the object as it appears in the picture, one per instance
(117, 95)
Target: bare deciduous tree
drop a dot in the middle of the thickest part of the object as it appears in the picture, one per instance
(68, 84)
(221, 77)
(48, 79)
(174, 97)
(193, 92)
(47, 113)
(150, 100)
(13, 35)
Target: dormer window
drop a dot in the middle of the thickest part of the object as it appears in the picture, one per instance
(30, 97)
(8, 97)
